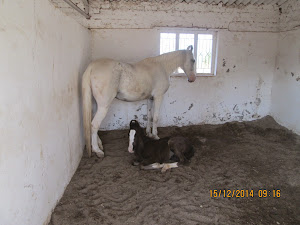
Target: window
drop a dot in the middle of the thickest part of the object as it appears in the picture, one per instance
(204, 48)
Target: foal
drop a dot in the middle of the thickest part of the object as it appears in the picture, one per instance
(152, 153)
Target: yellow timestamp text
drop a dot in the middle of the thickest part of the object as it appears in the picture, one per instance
(244, 193)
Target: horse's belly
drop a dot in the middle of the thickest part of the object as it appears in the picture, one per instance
(132, 97)
(134, 90)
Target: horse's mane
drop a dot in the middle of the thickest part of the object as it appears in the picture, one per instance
(165, 56)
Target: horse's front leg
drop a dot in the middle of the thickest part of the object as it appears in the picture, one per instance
(149, 117)
(157, 104)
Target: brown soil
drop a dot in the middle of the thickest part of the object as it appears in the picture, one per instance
(233, 156)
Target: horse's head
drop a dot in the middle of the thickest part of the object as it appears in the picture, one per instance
(133, 132)
(189, 64)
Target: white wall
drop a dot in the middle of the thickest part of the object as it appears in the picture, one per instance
(43, 53)
(286, 83)
(242, 93)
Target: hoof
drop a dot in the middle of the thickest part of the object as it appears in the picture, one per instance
(155, 137)
(100, 154)
(149, 134)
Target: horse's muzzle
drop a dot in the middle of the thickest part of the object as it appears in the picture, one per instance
(192, 78)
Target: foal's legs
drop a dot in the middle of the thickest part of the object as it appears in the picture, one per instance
(157, 104)
(149, 117)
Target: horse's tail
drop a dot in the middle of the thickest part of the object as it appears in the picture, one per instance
(87, 108)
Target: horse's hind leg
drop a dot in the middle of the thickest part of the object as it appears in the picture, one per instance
(101, 113)
(104, 95)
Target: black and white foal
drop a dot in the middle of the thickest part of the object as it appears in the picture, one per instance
(164, 153)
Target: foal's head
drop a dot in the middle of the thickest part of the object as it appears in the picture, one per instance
(189, 64)
(135, 135)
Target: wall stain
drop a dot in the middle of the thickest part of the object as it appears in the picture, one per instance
(292, 74)
(256, 116)
(41, 154)
(191, 106)
(140, 107)
(298, 78)
(224, 63)
(145, 117)
(257, 101)
(176, 119)
(227, 70)
(236, 109)
(226, 117)
(172, 102)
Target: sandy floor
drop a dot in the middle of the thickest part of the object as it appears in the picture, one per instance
(234, 156)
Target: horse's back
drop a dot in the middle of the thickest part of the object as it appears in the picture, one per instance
(103, 66)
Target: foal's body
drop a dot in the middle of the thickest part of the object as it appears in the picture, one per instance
(154, 151)
(150, 151)
(148, 79)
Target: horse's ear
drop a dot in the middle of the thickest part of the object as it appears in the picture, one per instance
(190, 48)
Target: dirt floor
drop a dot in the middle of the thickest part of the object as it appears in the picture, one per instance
(258, 155)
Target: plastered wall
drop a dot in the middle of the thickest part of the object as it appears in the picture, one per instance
(240, 91)
(43, 53)
(286, 84)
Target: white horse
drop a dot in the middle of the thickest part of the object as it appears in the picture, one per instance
(148, 79)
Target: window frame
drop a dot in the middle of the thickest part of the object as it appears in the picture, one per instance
(195, 31)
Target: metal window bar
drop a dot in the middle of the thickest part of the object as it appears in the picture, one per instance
(204, 56)
(74, 6)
